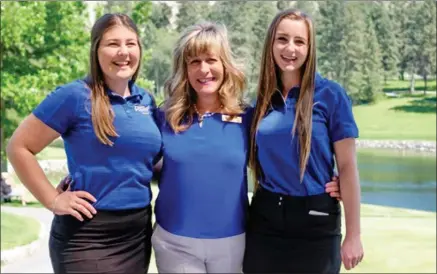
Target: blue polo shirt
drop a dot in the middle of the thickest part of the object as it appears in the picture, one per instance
(278, 151)
(203, 185)
(118, 176)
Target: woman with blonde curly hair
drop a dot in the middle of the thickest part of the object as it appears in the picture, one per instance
(201, 206)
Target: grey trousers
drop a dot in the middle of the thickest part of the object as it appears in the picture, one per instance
(179, 254)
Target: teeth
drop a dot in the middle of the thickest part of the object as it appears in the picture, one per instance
(289, 58)
(205, 80)
(121, 63)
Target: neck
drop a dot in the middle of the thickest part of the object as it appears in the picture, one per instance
(119, 87)
(208, 103)
(289, 80)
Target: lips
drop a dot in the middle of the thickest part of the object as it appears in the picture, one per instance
(289, 58)
(205, 81)
(121, 64)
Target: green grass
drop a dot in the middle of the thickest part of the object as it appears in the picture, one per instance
(404, 118)
(51, 153)
(399, 85)
(17, 230)
(397, 241)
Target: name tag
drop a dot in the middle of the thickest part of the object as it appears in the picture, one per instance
(228, 118)
(143, 109)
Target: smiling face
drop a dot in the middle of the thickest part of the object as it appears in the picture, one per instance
(205, 73)
(119, 53)
(291, 44)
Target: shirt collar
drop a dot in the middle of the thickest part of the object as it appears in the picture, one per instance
(135, 96)
(278, 101)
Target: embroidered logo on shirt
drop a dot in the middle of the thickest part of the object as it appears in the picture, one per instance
(143, 109)
(235, 119)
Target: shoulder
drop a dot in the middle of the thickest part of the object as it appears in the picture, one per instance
(329, 91)
(147, 97)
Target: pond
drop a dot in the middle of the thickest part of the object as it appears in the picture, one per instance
(397, 178)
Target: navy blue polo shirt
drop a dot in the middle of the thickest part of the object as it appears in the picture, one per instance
(203, 185)
(118, 176)
(278, 150)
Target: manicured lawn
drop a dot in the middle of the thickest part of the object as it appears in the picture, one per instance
(398, 85)
(397, 241)
(403, 118)
(17, 230)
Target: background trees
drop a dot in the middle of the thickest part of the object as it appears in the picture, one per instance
(359, 44)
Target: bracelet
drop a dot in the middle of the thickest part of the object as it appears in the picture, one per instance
(54, 203)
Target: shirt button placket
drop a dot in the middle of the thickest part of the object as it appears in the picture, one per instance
(280, 201)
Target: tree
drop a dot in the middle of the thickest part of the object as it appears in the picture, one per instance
(371, 67)
(426, 39)
(190, 13)
(43, 44)
(385, 33)
(161, 15)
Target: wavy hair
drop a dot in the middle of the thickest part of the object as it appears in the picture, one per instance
(197, 39)
(270, 81)
(101, 111)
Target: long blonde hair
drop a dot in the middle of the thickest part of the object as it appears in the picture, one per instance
(270, 81)
(101, 112)
(195, 40)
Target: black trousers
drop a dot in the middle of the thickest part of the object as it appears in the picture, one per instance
(111, 242)
(282, 237)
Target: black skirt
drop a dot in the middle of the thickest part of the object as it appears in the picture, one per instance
(282, 237)
(111, 242)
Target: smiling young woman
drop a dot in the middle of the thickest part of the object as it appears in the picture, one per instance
(102, 224)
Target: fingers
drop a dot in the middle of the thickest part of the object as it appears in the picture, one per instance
(75, 204)
(86, 195)
(75, 214)
(87, 207)
(334, 178)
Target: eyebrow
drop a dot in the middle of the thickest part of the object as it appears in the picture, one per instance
(286, 34)
(117, 40)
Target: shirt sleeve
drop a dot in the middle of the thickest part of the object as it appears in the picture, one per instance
(342, 123)
(58, 109)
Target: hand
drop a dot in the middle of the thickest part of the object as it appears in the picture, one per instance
(351, 252)
(73, 203)
(64, 184)
(333, 188)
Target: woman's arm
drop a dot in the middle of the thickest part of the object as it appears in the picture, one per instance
(345, 154)
(30, 138)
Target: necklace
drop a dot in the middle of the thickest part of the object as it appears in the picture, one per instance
(205, 115)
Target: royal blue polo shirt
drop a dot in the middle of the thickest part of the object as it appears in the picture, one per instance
(118, 176)
(278, 150)
(203, 185)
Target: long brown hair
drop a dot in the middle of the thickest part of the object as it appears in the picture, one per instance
(270, 81)
(201, 38)
(101, 111)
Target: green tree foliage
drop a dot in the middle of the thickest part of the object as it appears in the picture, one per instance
(43, 44)
(385, 33)
(190, 13)
(426, 39)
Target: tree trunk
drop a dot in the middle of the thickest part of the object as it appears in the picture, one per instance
(412, 83)
(426, 80)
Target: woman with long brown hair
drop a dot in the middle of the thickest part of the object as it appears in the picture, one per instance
(301, 123)
(103, 224)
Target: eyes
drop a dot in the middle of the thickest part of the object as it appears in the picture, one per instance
(118, 44)
(285, 39)
(197, 61)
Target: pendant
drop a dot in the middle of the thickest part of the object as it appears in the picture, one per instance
(200, 122)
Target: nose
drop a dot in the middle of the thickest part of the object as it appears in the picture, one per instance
(122, 50)
(291, 46)
(204, 67)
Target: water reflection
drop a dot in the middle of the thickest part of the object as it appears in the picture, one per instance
(398, 178)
